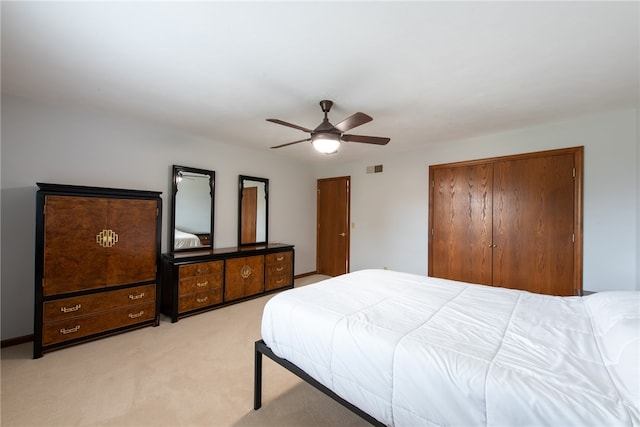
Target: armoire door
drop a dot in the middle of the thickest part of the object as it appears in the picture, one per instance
(513, 222)
(95, 242)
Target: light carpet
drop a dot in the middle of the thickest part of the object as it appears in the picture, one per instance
(196, 372)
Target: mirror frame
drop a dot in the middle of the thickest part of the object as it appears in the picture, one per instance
(241, 180)
(176, 170)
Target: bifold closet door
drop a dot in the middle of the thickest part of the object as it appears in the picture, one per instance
(513, 222)
(461, 223)
(533, 224)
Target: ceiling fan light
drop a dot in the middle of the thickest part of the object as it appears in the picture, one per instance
(326, 143)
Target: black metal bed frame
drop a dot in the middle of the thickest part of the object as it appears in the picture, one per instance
(262, 348)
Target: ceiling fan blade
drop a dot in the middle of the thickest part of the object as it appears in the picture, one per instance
(291, 143)
(352, 121)
(280, 122)
(366, 139)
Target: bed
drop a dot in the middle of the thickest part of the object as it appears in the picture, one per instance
(407, 350)
(184, 240)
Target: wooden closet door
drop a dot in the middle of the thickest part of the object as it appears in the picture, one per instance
(534, 224)
(461, 223)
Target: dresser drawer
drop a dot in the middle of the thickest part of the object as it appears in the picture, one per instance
(67, 308)
(201, 269)
(199, 300)
(82, 326)
(200, 283)
(279, 268)
(277, 281)
(280, 258)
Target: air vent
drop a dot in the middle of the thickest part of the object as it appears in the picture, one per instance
(374, 169)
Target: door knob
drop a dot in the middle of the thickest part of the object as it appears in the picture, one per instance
(342, 234)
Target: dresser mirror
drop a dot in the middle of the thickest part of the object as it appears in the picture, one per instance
(192, 210)
(253, 210)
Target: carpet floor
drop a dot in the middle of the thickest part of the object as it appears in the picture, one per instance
(195, 372)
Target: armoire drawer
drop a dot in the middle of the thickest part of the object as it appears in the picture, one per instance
(67, 308)
(82, 326)
(199, 300)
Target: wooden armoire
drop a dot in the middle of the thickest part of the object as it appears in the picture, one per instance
(513, 222)
(97, 257)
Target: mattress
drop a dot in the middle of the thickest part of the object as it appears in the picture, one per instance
(413, 350)
(184, 240)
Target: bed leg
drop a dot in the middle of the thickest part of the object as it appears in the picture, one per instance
(257, 379)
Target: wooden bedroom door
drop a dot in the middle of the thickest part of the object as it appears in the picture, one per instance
(513, 222)
(332, 238)
(249, 214)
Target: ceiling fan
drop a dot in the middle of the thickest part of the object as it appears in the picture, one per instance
(326, 138)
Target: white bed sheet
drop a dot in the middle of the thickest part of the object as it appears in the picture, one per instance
(413, 350)
(184, 240)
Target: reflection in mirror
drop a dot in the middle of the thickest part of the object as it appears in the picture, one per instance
(253, 210)
(192, 210)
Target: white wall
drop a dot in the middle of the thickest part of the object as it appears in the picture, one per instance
(389, 211)
(42, 143)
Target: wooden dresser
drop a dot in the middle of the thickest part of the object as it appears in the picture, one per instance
(197, 281)
(97, 252)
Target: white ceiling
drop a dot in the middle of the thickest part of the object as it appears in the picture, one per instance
(427, 72)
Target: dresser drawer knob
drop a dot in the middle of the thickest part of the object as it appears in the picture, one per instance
(202, 270)
(201, 300)
(279, 269)
(70, 309)
(136, 315)
(70, 330)
(279, 281)
(203, 284)
(133, 297)
(280, 258)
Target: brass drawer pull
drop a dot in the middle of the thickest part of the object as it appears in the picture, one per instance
(136, 315)
(70, 330)
(203, 284)
(70, 309)
(279, 269)
(280, 258)
(279, 281)
(140, 295)
(202, 270)
(201, 300)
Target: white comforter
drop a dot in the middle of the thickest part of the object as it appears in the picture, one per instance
(414, 351)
